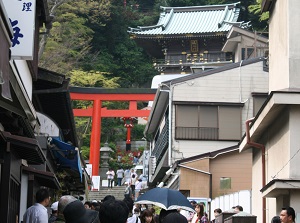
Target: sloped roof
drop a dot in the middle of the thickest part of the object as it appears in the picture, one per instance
(197, 20)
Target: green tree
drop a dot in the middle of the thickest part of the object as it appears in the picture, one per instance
(256, 9)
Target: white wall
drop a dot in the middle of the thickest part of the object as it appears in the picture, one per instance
(25, 76)
(284, 45)
(192, 148)
(226, 202)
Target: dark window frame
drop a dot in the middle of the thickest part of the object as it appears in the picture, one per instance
(213, 129)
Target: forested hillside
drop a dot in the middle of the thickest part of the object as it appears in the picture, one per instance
(88, 42)
(89, 35)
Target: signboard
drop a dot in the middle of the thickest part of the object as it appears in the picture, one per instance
(21, 14)
(96, 183)
(146, 156)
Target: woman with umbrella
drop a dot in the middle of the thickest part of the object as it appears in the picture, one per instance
(199, 217)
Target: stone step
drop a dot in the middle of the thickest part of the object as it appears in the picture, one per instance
(117, 192)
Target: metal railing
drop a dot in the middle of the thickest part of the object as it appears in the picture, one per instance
(172, 59)
(197, 133)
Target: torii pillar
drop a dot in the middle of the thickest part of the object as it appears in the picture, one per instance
(95, 136)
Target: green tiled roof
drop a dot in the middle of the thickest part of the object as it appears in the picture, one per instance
(195, 20)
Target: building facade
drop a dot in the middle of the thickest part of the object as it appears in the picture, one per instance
(202, 113)
(273, 133)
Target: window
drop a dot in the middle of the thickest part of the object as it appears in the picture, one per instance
(246, 53)
(208, 122)
(225, 183)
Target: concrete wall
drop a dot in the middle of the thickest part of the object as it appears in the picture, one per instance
(276, 139)
(134, 145)
(284, 45)
(190, 148)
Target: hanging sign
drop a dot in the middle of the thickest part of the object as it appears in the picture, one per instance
(21, 14)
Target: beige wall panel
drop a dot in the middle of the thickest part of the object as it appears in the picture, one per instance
(202, 164)
(197, 183)
(237, 166)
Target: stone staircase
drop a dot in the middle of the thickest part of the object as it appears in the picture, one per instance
(117, 192)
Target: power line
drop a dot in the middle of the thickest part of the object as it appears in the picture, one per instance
(285, 164)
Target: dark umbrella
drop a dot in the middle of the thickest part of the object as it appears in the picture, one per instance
(165, 198)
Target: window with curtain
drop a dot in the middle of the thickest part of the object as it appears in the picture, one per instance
(204, 122)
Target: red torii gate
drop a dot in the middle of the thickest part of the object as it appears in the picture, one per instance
(97, 95)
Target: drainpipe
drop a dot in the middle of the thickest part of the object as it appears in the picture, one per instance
(170, 125)
(263, 150)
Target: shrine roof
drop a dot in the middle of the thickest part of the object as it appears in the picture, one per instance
(191, 20)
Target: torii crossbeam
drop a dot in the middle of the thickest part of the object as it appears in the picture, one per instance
(97, 95)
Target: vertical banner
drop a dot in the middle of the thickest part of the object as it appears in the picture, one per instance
(146, 155)
(21, 14)
(96, 183)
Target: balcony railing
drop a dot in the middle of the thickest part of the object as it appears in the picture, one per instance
(177, 59)
(162, 143)
(191, 133)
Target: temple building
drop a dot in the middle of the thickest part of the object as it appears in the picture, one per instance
(189, 39)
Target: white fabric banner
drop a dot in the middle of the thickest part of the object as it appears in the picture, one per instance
(96, 183)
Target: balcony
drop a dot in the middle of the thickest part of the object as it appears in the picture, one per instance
(215, 58)
(161, 143)
(196, 133)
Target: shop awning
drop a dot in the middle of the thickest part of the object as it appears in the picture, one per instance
(67, 156)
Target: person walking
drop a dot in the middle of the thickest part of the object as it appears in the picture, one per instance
(37, 213)
(132, 183)
(199, 217)
(72, 210)
(147, 217)
(128, 191)
(287, 215)
(275, 219)
(138, 187)
(53, 216)
(175, 217)
(120, 175)
(110, 176)
(113, 211)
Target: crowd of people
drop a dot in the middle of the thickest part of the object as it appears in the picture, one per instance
(70, 209)
(133, 182)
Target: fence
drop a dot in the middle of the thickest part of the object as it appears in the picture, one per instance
(226, 202)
